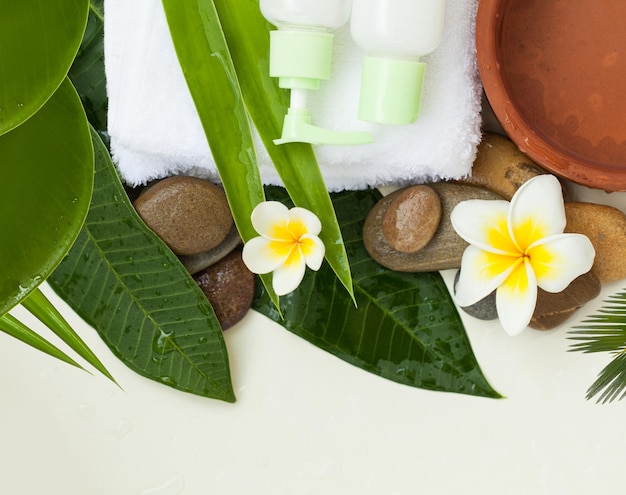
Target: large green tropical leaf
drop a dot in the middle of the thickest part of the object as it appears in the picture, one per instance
(406, 327)
(247, 33)
(38, 42)
(123, 280)
(87, 71)
(46, 181)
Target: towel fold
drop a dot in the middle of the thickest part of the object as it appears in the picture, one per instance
(155, 130)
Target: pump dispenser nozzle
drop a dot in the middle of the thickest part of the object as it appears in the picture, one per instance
(300, 57)
(297, 127)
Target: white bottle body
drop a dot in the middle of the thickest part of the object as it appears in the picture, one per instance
(405, 29)
(307, 14)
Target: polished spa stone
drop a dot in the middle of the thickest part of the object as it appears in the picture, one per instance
(501, 167)
(444, 250)
(412, 218)
(189, 214)
(229, 287)
(605, 227)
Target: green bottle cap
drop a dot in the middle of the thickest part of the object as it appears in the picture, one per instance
(300, 59)
(391, 90)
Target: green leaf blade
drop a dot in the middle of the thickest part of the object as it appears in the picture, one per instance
(133, 290)
(48, 160)
(39, 306)
(212, 81)
(248, 39)
(406, 327)
(12, 326)
(38, 42)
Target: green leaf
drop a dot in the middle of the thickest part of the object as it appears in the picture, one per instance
(87, 71)
(606, 332)
(406, 327)
(247, 33)
(208, 68)
(12, 326)
(38, 42)
(122, 279)
(42, 308)
(45, 190)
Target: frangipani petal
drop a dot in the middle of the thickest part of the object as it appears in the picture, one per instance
(270, 218)
(484, 224)
(516, 299)
(263, 255)
(303, 221)
(536, 211)
(288, 276)
(313, 250)
(559, 259)
(482, 272)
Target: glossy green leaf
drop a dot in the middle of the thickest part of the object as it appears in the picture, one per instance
(12, 326)
(406, 327)
(247, 33)
(38, 42)
(46, 179)
(206, 62)
(87, 71)
(123, 280)
(39, 306)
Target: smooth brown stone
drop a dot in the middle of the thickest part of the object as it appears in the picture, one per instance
(605, 227)
(189, 214)
(501, 167)
(554, 309)
(445, 249)
(229, 287)
(412, 218)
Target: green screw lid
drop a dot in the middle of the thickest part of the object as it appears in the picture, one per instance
(391, 90)
(300, 59)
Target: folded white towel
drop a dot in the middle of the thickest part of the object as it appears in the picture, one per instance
(155, 131)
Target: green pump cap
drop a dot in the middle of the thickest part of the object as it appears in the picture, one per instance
(300, 59)
(391, 90)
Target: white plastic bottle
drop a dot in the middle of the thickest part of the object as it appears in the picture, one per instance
(396, 33)
(300, 56)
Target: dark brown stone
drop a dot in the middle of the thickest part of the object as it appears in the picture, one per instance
(554, 309)
(189, 214)
(412, 218)
(229, 287)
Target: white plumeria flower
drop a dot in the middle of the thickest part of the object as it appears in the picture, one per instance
(516, 247)
(287, 244)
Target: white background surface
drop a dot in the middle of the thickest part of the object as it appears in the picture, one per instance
(307, 423)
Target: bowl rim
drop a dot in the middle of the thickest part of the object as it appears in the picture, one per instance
(517, 128)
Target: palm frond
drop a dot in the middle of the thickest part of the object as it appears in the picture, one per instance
(606, 332)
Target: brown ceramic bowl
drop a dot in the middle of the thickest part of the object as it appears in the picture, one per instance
(554, 72)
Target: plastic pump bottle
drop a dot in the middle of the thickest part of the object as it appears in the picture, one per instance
(300, 56)
(396, 33)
